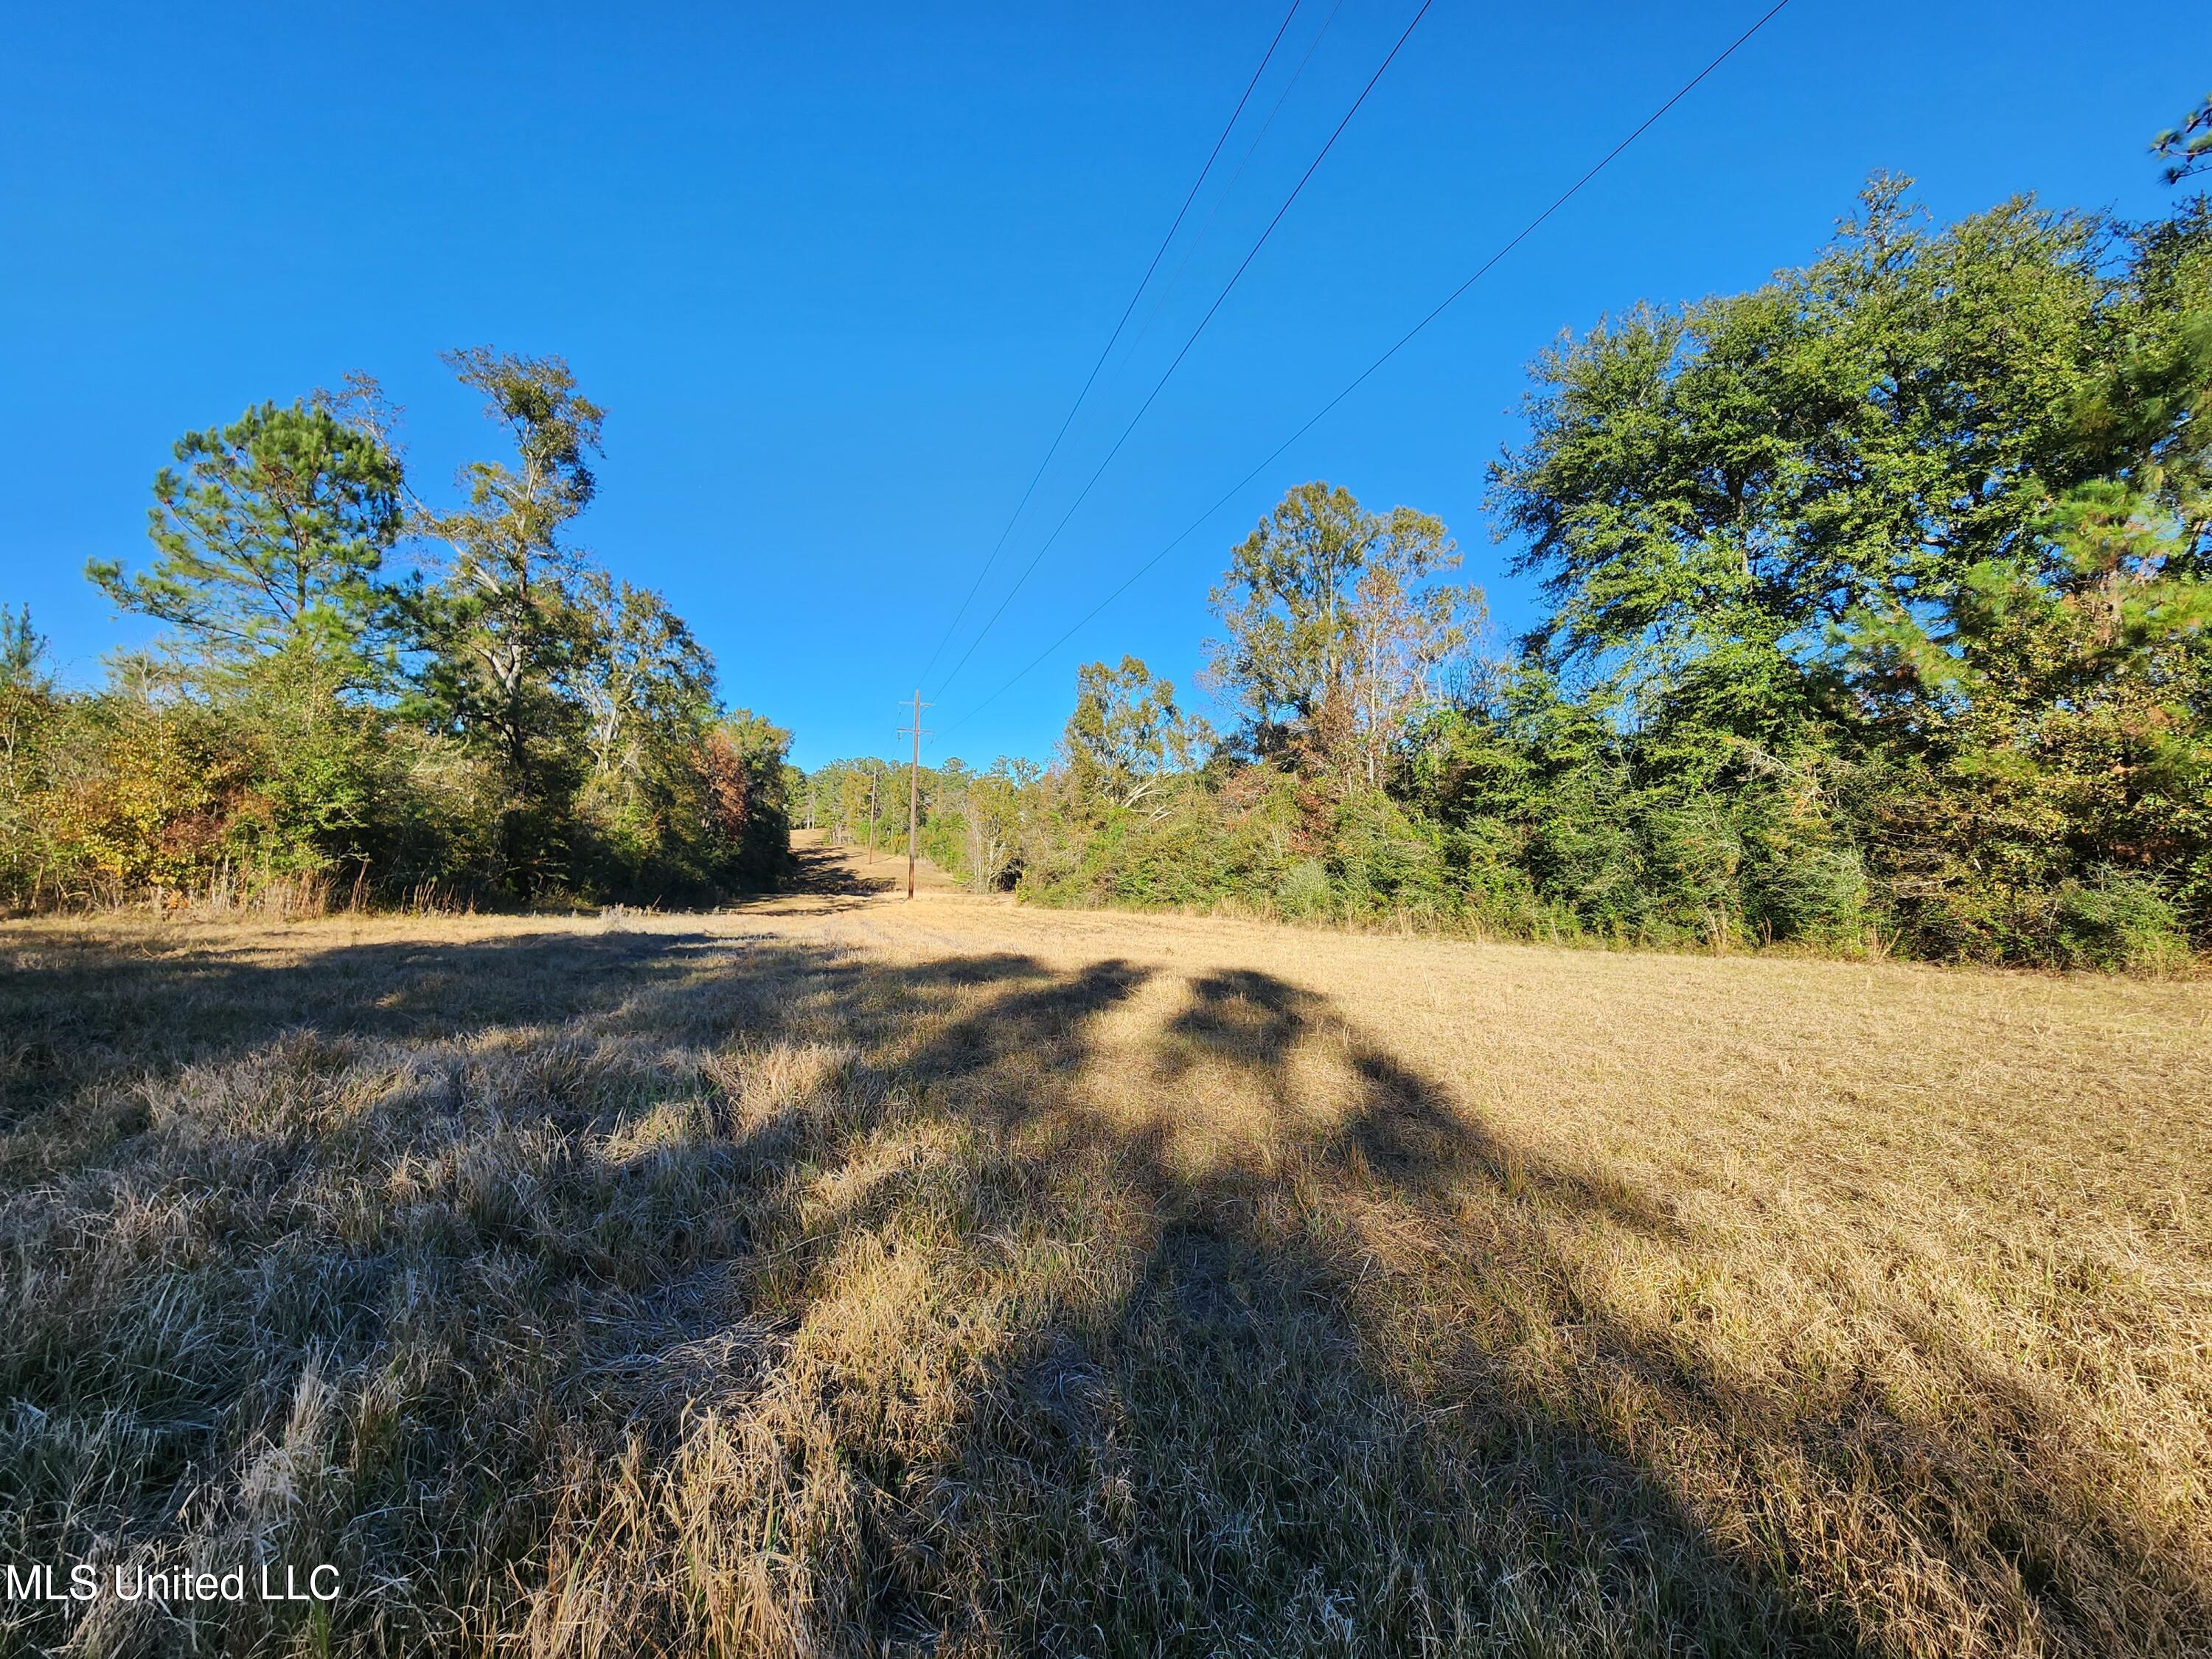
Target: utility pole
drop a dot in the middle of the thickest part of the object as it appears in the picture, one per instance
(914, 792)
(874, 772)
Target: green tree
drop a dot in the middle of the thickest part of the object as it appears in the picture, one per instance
(993, 809)
(27, 711)
(269, 546)
(270, 540)
(1709, 494)
(749, 795)
(1904, 548)
(1337, 630)
(22, 648)
(648, 688)
(1127, 739)
(505, 632)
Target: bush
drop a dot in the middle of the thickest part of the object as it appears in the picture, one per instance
(2117, 921)
(1305, 891)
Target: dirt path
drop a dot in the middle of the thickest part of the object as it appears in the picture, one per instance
(837, 873)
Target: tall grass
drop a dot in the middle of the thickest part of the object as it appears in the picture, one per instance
(959, 1280)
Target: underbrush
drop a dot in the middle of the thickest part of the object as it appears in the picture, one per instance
(1701, 874)
(2098, 947)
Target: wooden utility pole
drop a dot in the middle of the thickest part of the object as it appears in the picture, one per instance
(874, 772)
(914, 792)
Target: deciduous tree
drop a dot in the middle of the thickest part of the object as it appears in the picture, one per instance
(506, 633)
(1338, 628)
(1127, 739)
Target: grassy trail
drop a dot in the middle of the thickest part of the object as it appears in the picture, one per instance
(841, 1275)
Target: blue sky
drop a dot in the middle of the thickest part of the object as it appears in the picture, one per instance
(836, 271)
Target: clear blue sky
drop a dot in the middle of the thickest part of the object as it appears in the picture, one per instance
(836, 271)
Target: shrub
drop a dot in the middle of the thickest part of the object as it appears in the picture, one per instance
(1305, 890)
(2117, 921)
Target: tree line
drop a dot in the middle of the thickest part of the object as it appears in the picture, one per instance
(1877, 615)
(360, 693)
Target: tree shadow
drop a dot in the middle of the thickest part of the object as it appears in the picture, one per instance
(1284, 1402)
(1247, 1470)
(79, 1008)
(820, 871)
(1259, 1345)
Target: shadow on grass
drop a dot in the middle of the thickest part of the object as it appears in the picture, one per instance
(1249, 1423)
(1291, 1471)
(822, 872)
(76, 1008)
(1230, 1454)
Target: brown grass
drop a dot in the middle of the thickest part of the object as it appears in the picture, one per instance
(842, 1276)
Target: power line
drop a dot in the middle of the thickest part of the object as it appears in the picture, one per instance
(1028, 569)
(1361, 379)
(1266, 57)
(1166, 290)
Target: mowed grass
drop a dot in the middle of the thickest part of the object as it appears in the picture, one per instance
(851, 1277)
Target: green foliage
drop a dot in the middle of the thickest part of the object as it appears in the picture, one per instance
(2186, 150)
(728, 824)
(1880, 617)
(21, 646)
(505, 633)
(1338, 630)
(1893, 570)
(28, 735)
(519, 725)
(1127, 739)
(978, 822)
(2116, 920)
(647, 687)
(270, 539)
(851, 801)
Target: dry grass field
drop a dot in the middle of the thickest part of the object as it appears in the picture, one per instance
(844, 1276)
